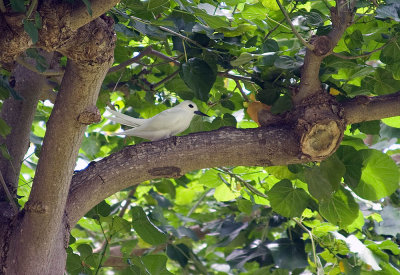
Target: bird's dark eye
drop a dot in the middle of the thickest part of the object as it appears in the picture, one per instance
(191, 105)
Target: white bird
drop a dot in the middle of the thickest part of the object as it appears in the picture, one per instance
(163, 125)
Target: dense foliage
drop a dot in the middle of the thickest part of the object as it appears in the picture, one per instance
(340, 216)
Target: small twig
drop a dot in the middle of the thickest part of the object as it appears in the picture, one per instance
(364, 54)
(164, 57)
(241, 90)
(8, 194)
(127, 202)
(311, 238)
(168, 78)
(134, 59)
(32, 7)
(103, 253)
(279, 23)
(197, 203)
(234, 77)
(116, 84)
(289, 21)
(245, 183)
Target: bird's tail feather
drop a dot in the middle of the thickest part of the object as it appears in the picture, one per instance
(124, 119)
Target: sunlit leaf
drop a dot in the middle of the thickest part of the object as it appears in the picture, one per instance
(380, 176)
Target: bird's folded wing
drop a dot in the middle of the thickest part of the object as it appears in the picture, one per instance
(125, 119)
(167, 119)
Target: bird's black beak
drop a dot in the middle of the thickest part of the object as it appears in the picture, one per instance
(200, 113)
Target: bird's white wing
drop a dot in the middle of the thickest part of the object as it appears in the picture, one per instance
(169, 119)
(125, 119)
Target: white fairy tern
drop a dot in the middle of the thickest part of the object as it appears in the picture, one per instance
(163, 125)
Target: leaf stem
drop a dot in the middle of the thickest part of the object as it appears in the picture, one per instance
(241, 90)
(245, 183)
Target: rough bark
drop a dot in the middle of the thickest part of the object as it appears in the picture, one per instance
(363, 108)
(60, 21)
(342, 15)
(34, 243)
(44, 210)
(173, 157)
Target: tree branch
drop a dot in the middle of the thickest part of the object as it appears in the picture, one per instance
(44, 211)
(341, 16)
(80, 16)
(176, 156)
(363, 108)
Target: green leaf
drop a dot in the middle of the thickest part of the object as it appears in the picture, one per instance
(210, 179)
(120, 225)
(4, 128)
(283, 104)
(380, 175)
(31, 29)
(156, 264)
(145, 228)
(245, 206)
(38, 21)
(391, 11)
(355, 40)
(244, 58)
(255, 11)
(74, 263)
(88, 7)
(280, 172)
(288, 63)
(390, 54)
(166, 186)
(395, 69)
(341, 209)
(213, 21)
(199, 76)
(18, 5)
(154, 4)
(370, 127)
(384, 82)
(85, 250)
(352, 160)
(179, 253)
(224, 193)
(287, 200)
(102, 209)
(288, 254)
(325, 179)
(392, 121)
(390, 245)
(4, 152)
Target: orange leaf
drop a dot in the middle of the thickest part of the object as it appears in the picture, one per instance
(254, 108)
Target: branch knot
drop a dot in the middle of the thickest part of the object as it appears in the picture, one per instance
(89, 116)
